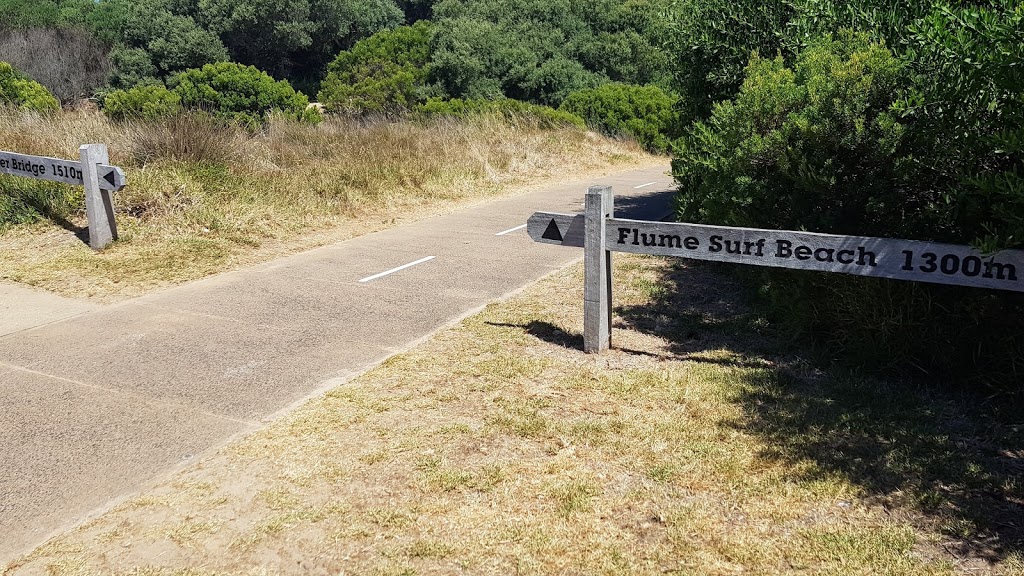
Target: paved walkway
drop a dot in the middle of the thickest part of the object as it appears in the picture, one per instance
(97, 404)
(22, 307)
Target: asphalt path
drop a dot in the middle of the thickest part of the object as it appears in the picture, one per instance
(98, 403)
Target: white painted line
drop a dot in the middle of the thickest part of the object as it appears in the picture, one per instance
(393, 270)
(644, 185)
(511, 230)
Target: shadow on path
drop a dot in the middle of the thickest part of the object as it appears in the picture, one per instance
(653, 206)
(944, 456)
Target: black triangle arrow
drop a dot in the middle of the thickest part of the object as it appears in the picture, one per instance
(110, 177)
(552, 232)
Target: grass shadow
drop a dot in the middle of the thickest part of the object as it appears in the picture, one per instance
(953, 459)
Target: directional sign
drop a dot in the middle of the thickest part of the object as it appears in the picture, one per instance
(862, 256)
(600, 234)
(560, 229)
(58, 170)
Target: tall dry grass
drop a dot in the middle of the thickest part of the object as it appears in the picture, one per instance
(204, 196)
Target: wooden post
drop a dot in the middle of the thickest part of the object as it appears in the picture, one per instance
(99, 206)
(597, 262)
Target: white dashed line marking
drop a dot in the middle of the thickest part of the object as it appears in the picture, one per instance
(511, 230)
(644, 185)
(393, 270)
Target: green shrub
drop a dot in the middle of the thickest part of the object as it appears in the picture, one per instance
(458, 108)
(240, 93)
(542, 51)
(827, 146)
(647, 113)
(815, 147)
(152, 38)
(967, 110)
(383, 73)
(132, 67)
(710, 41)
(141, 103)
(22, 92)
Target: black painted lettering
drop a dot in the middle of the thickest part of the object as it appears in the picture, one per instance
(672, 241)
(691, 243)
(623, 234)
(715, 244)
(845, 256)
(950, 264)
(760, 247)
(653, 241)
(802, 253)
(908, 262)
(929, 263)
(866, 257)
(971, 266)
(783, 248)
(733, 247)
(825, 254)
(636, 237)
(1002, 271)
(748, 247)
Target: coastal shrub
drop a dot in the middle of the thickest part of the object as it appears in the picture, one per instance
(647, 113)
(831, 144)
(68, 61)
(141, 103)
(20, 91)
(240, 93)
(813, 147)
(386, 72)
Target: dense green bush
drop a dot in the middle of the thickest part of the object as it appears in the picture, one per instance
(852, 140)
(150, 39)
(815, 147)
(710, 42)
(22, 14)
(294, 39)
(967, 111)
(20, 91)
(240, 93)
(383, 73)
(542, 50)
(458, 108)
(142, 103)
(647, 113)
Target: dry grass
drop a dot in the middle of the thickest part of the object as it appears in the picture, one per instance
(204, 198)
(498, 448)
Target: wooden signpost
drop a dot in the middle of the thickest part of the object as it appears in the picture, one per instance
(91, 171)
(600, 234)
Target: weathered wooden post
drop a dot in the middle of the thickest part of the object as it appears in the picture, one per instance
(99, 206)
(597, 263)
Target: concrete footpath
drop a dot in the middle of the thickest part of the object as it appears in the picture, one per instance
(96, 402)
